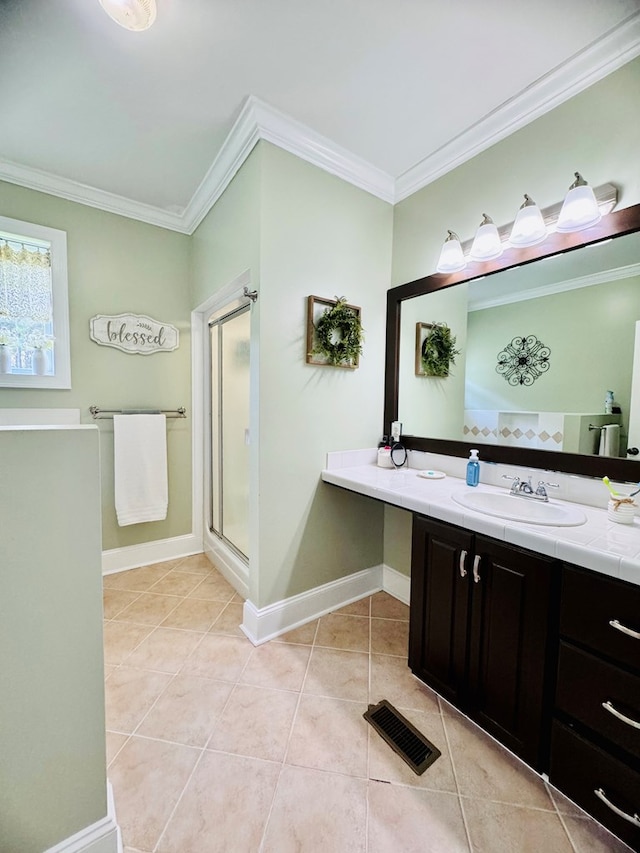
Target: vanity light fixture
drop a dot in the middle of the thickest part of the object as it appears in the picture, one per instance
(451, 256)
(580, 209)
(486, 244)
(528, 228)
(134, 15)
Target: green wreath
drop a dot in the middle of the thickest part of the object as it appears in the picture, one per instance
(438, 351)
(339, 334)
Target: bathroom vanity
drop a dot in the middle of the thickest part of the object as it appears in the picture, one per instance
(532, 631)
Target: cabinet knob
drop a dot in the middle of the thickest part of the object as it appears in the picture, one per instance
(620, 627)
(634, 819)
(608, 706)
(476, 568)
(463, 557)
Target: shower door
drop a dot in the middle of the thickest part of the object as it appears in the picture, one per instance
(230, 391)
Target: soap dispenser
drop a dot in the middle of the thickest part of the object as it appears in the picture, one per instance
(473, 469)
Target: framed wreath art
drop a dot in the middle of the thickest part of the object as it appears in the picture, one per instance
(334, 332)
(435, 349)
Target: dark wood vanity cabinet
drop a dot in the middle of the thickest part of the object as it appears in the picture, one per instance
(595, 745)
(480, 631)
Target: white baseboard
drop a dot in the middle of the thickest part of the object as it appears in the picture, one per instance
(103, 836)
(396, 584)
(133, 556)
(261, 625)
(228, 563)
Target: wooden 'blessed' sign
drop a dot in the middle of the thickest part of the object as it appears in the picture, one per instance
(133, 333)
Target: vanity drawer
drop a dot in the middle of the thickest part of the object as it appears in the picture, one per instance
(585, 682)
(579, 769)
(590, 603)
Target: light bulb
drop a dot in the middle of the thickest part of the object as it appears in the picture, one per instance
(134, 15)
(528, 228)
(486, 244)
(580, 209)
(451, 256)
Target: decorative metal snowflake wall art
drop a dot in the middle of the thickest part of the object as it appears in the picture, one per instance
(523, 361)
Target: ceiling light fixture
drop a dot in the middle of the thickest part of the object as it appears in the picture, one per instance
(451, 256)
(528, 228)
(134, 15)
(487, 244)
(580, 209)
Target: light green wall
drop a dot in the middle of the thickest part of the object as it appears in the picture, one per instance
(119, 265)
(397, 539)
(583, 365)
(319, 236)
(52, 739)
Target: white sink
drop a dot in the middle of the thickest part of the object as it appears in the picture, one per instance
(515, 508)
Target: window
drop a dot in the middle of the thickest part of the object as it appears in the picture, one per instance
(34, 311)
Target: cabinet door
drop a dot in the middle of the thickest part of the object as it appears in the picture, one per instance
(440, 606)
(508, 646)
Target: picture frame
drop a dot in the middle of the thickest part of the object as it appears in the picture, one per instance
(316, 307)
(422, 332)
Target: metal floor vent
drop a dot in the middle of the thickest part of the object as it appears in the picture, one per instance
(404, 738)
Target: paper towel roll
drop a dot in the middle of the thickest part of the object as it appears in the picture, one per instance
(610, 440)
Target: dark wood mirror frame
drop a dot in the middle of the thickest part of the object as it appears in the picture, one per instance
(617, 224)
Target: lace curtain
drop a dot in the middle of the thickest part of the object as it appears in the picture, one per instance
(25, 282)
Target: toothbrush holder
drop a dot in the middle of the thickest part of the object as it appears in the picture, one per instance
(621, 510)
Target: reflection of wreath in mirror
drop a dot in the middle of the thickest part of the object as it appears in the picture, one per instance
(438, 350)
(524, 360)
(339, 334)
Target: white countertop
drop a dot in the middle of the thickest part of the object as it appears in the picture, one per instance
(601, 545)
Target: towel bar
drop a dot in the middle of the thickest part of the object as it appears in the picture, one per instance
(99, 413)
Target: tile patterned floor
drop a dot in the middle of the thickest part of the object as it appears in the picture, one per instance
(214, 745)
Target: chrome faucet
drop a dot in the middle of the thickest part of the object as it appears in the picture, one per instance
(524, 488)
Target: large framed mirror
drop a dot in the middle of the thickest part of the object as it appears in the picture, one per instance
(571, 305)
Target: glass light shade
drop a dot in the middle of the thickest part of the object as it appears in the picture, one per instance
(486, 244)
(580, 209)
(451, 256)
(528, 228)
(131, 14)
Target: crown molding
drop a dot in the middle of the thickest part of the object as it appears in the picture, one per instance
(45, 182)
(588, 66)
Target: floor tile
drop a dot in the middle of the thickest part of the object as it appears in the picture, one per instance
(121, 638)
(502, 828)
(115, 600)
(115, 742)
(563, 804)
(361, 607)
(278, 665)
(338, 674)
(108, 669)
(198, 564)
(390, 637)
(224, 807)
(343, 632)
(148, 777)
(229, 620)
(175, 583)
(213, 587)
(590, 837)
(415, 821)
(391, 679)
(138, 580)
(165, 649)
(385, 606)
(329, 734)
(193, 614)
(386, 766)
(317, 812)
(187, 710)
(304, 635)
(129, 694)
(149, 609)
(219, 657)
(485, 769)
(256, 722)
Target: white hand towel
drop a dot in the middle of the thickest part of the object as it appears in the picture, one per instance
(140, 461)
(610, 440)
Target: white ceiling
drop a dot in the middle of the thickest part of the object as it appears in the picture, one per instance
(406, 88)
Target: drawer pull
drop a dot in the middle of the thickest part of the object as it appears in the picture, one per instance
(463, 557)
(634, 819)
(476, 568)
(620, 627)
(609, 707)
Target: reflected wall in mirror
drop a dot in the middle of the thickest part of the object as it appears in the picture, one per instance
(583, 301)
